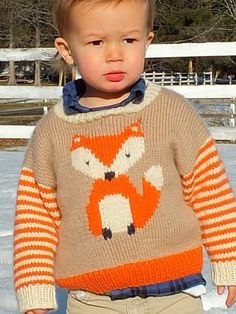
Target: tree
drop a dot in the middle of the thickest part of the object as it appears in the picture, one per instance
(230, 6)
(12, 76)
(26, 23)
(186, 21)
(195, 21)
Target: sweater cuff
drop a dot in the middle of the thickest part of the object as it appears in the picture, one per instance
(224, 273)
(36, 297)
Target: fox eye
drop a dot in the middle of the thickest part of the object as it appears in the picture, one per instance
(87, 163)
(127, 155)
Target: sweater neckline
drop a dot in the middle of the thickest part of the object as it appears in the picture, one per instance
(152, 91)
(74, 90)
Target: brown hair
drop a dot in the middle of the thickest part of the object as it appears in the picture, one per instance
(62, 9)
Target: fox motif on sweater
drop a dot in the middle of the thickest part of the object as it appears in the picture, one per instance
(114, 204)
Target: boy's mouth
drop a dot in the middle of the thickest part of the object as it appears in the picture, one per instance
(114, 76)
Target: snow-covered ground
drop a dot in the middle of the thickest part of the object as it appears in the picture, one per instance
(10, 164)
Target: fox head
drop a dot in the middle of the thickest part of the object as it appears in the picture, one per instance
(108, 156)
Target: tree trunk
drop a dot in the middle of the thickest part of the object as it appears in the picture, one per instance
(37, 64)
(190, 66)
(61, 73)
(12, 74)
(37, 73)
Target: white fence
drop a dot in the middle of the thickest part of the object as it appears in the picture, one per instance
(209, 49)
(154, 51)
(30, 92)
(179, 78)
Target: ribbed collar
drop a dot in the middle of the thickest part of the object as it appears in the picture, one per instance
(74, 90)
(151, 93)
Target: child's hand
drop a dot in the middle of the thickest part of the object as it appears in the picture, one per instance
(37, 311)
(231, 298)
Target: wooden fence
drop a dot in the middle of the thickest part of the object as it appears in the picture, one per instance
(191, 91)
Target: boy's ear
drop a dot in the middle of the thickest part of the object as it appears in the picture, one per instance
(63, 49)
(150, 38)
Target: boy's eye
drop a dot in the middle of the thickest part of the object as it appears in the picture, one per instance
(96, 42)
(129, 40)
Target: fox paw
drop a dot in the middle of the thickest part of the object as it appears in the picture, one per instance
(154, 175)
(131, 229)
(107, 234)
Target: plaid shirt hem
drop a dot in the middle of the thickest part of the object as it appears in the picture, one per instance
(159, 289)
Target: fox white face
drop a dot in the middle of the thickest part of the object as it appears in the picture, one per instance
(84, 160)
(130, 152)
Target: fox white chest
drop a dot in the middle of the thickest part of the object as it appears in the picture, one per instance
(115, 212)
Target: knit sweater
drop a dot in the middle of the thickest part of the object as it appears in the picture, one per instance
(121, 198)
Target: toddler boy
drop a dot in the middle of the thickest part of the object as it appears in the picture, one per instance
(121, 182)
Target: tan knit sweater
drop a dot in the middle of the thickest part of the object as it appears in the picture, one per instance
(121, 198)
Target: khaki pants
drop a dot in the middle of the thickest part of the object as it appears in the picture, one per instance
(89, 303)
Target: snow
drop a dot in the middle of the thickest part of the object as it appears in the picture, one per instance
(10, 164)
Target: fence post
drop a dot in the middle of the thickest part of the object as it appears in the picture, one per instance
(171, 78)
(163, 78)
(45, 110)
(232, 120)
(180, 79)
(153, 76)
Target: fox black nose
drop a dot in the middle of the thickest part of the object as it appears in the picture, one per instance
(109, 175)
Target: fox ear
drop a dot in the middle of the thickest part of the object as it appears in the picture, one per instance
(75, 142)
(136, 128)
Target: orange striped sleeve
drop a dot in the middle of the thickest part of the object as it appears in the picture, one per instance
(207, 190)
(35, 239)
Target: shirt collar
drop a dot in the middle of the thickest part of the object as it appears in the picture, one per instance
(74, 90)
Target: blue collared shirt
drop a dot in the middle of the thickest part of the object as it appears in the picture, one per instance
(160, 289)
(74, 90)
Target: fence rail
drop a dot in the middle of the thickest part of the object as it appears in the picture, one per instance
(30, 92)
(26, 54)
(54, 92)
(209, 49)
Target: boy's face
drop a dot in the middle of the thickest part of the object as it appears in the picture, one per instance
(107, 43)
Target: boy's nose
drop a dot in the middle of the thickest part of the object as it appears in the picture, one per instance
(114, 53)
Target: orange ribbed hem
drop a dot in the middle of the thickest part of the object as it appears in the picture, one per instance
(137, 274)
